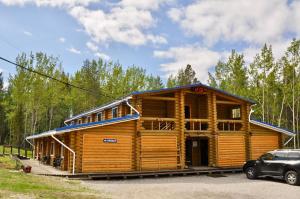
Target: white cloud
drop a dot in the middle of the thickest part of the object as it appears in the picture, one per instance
(175, 14)
(62, 39)
(144, 4)
(201, 59)
(126, 25)
(52, 3)
(74, 50)
(27, 33)
(102, 56)
(253, 22)
(278, 49)
(95, 49)
(92, 46)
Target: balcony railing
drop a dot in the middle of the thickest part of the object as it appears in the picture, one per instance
(229, 125)
(196, 124)
(158, 124)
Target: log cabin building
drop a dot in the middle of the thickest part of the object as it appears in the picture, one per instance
(173, 128)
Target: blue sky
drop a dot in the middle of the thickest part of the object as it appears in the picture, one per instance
(159, 35)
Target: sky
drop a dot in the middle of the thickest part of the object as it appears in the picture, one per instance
(161, 36)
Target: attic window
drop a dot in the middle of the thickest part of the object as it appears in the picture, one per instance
(236, 113)
(89, 119)
(115, 112)
(99, 116)
(79, 121)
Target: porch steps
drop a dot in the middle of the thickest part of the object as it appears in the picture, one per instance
(149, 174)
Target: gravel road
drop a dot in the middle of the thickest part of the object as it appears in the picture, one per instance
(232, 186)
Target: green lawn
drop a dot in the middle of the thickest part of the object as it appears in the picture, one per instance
(16, 184)
(15, 151)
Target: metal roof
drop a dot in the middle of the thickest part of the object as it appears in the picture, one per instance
(99, 109)
(117, 102)
(194, 85)
(85, 126)
(272, 127)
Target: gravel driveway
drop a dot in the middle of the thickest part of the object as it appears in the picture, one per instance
(232, 186)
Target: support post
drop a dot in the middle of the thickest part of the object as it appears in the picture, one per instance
(73, 169)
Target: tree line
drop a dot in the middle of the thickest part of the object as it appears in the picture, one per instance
(32, 103)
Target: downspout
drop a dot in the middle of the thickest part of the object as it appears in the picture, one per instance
(73, 170)
(132, 107)
(251, 111)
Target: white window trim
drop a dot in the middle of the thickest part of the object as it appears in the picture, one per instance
(89, 119)
(232, 112)
(97, 116)
(62, 151)
(53, 152)
(112, 112)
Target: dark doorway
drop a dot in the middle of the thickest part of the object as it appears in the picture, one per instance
(187, 115)
(187, 112)
(196, 151)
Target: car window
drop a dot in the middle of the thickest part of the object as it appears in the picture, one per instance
(294, 155)
(267, 156)
(280, 156)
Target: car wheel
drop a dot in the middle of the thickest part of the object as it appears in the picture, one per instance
(251, 173)
(292, 178)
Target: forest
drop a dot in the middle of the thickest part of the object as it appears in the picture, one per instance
(32, 104)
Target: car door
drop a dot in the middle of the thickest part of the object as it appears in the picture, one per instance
(267, 165)
(278, 163)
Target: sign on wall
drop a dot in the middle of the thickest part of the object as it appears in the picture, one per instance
(199, 89)
(110, 140)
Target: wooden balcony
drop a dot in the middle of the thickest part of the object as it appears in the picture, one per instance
(153, 124)
(196, 125)
(229, 125)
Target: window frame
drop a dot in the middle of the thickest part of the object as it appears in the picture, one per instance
(117, 112)
(236, 113)
(52, 148)
(101, 118)
(89, 119)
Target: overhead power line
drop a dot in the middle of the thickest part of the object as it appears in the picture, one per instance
(49, 77)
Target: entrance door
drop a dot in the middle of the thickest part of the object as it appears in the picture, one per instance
(196, 151)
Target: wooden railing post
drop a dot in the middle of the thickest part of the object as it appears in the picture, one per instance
(11, 150)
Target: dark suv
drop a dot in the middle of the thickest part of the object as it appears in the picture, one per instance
(283, 164)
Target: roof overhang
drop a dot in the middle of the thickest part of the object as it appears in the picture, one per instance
(271, 127)
(71, 128)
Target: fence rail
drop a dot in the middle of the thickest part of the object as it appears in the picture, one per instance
(16, 150)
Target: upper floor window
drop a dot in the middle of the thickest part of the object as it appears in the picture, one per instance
(79, 121)
(99, 117)
(115, 112)
(236, 113)
(89, 119)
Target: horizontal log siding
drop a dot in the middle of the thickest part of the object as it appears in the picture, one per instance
(158, 152)
(263, 140)
(231, 150)
(109, 157)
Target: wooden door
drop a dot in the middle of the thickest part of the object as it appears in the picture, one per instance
(195, 153)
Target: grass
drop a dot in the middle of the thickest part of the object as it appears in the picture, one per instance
(16, 184)
(15, 151)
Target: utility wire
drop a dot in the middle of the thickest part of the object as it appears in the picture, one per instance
(53, 78)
